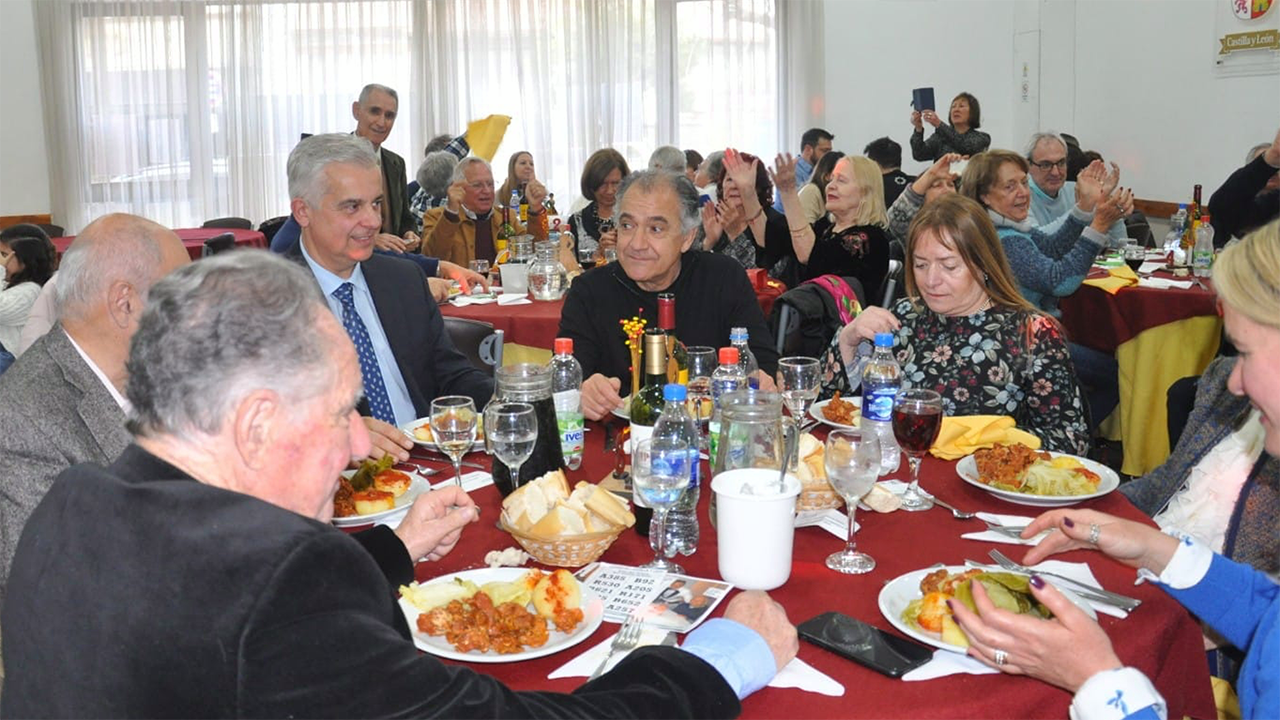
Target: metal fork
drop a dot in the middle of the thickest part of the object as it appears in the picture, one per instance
(1124, 602)
(626, 639)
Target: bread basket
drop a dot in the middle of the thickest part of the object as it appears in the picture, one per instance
(569, 551)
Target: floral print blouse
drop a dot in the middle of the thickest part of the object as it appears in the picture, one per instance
(996, 362)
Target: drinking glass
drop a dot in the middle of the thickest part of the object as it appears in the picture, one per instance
(702, 361)
(480, 267)
(660, 470)
(453, 422)
(798, 381)
(917, 418)
(853, 462)
(586, 256)
(609, 253)
(1134, 256)
(511, 429)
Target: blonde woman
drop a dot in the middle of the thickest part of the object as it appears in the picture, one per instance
(1240, 601)
(850, 241)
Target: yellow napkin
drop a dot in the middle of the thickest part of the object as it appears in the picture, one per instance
(484, 136)
(961, 436)
(1117, 278)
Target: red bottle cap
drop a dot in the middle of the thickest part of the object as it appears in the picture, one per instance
(563, 346)
(728, 356)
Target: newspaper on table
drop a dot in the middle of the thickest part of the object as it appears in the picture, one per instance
(665, 600)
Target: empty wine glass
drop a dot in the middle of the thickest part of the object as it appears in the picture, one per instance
(453, 422)
(798, 380)
(917, 419)
(660, 469)
(702, 360)
(511, 429)
(852, 462)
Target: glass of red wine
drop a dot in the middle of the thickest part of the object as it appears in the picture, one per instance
(1134, 256)
(917, 419)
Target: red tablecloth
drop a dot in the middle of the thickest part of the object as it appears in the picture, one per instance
(192, 238)
(1160, 638)
(1100, 320)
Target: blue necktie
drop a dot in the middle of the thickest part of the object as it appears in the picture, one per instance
(374, 389)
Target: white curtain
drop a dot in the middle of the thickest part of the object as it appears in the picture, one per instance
(801, 71)
(182, 111)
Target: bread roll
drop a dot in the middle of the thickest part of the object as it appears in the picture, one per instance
(561, 520)
(882, 500)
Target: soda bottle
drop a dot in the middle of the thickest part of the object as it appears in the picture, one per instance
(738, 338)
(566, 392)
(881, 380)
(676, 423)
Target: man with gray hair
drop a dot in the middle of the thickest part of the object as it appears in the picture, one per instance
(669, 158)
(1250, 197)
(657, 216)
(465, 227)
(1052, 195)
(375, 114)
(63, 401)
(222, 590)
(708, 171)
(407, 358)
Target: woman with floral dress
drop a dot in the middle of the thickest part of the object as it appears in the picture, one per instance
(965, 331)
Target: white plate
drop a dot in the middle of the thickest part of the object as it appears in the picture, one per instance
(967, 469)
(623, 412)
(900, 591)
(592, 616)
(409, 427)
(817, 412)
(417, 486)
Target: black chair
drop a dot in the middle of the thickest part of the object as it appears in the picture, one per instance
(478, 341)
(52, 230)
(891, 281)
(269, 228)
(218, 244)
(233, 223)
(1180, 398)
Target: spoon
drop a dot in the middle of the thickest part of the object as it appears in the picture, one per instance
(786, 460)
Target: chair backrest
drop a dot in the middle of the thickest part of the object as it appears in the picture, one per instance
(52, 230)
(891, 279)
(478, 341)
(234, 223)
(218, 244)
(806, 317)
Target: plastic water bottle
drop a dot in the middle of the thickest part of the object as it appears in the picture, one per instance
(1177, 228)
(738, 338)
(566, 393)
(675, 423)
(1202, 255)
(881, 380)
(726, 379)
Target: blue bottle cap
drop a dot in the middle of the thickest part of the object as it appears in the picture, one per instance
(884, 339)
(674, 392)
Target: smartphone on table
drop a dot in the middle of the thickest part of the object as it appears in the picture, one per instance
(864, 644)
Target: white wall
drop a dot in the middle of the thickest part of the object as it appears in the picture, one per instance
(24, 177)
(1132, 79)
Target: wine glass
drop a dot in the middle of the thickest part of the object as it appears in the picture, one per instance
(702, 363)
(586, 255)
(453, 422)
(609, 254)
(852, 460)
(702, 360)
(660, 470)
(511, 429)
(917, 419)
(798, 381)
(1134, 256)
(480, 267)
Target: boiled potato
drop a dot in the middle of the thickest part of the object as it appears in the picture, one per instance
(558, 590)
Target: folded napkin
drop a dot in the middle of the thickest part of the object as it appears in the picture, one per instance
(1082, 573)
(513, 299)
(830, 519)
(963, 435)
(1150, 266)
(948, 662)
(1163, 284)
(1116, 279)
(464, 300)
(1007, 521)
(471, 481)
(484, 136)
(796, 674)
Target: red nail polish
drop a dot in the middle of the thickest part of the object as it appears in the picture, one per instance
(1037, 582)
(1067, 521)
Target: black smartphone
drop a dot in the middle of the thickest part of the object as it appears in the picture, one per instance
(866, 645)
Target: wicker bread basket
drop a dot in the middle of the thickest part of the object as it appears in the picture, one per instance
(568, 551)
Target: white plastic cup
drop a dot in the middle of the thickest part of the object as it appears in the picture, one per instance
(755, 531)
(515, 278)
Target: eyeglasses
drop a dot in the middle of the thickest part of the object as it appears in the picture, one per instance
(1048, 165)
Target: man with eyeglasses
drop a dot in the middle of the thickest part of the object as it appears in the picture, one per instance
(1052, 195)
(466, 227)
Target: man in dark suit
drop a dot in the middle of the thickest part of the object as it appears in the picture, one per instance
(407, 358)
(198, 575)
(375, 114)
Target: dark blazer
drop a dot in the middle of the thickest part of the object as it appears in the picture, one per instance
(430, 363)
(393, 175)
(140, 592)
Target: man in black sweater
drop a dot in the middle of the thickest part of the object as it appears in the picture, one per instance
(657, 220)
(1250, 197)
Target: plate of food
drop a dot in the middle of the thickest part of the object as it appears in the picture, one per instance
(420, 432)
(1034, 477)
(837, 412)
(374, 491)
(538, 613)
(623, 412)
(916, 603)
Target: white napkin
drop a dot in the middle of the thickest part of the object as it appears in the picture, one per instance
(514, 300)
(1151, 266)
(948, 662)
(796, 674)
(1082, 573)
(1007, 521)
(465, 300)
(1163, 284)
(830, 519)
